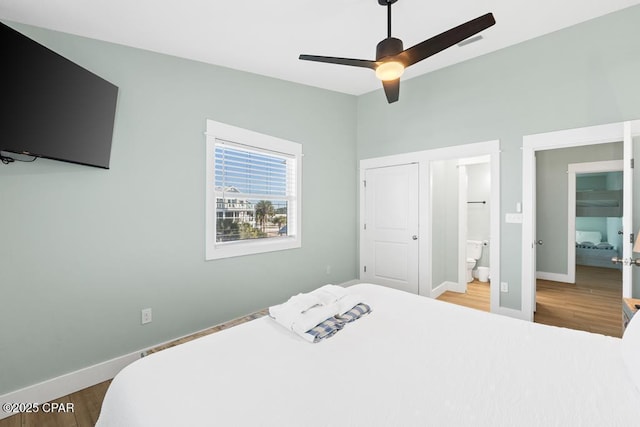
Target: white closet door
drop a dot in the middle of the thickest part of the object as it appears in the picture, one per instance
(390, 232)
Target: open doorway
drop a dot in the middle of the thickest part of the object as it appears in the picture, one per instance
(475, 220)
(464, 211)
(595, 208)
(533, 146)
(472, 177)
(460, 222)
(562, 174)
(578, 216)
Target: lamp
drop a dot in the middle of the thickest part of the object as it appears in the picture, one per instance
(389, 70)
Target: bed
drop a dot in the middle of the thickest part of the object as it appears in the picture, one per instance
(413, 361)
(592, 251)
(596, 255)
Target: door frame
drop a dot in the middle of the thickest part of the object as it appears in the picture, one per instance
(591, 135)
(425, 246)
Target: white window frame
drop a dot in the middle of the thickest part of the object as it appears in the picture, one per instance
(217, 131)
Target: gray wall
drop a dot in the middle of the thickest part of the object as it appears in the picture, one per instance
(83, 250)
(551, 197)
(581, 76)
(593, 223)
(444, 222)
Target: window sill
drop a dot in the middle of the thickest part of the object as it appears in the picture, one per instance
(234, 249)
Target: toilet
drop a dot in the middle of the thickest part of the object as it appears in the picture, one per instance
(474, 252)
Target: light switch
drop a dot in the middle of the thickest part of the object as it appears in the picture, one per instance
(514, 218)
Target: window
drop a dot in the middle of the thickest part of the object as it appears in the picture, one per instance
(253, 192)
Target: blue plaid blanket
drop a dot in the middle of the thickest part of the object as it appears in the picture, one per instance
(326, 329)
(332, 325)
(355, 313)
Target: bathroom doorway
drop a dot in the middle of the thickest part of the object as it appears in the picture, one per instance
(474, 225)
(464, 219)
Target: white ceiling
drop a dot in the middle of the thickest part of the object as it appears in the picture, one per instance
(266, 37)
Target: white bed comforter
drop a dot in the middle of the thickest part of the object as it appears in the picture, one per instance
(413, 361)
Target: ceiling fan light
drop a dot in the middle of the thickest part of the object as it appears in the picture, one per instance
(389, 70)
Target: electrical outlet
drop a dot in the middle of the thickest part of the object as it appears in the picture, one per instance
(146, 316)
(504, 287)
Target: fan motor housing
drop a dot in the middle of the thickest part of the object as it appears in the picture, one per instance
(388, 47)
(386, 2)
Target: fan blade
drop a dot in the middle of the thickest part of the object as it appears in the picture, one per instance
(341, 61)
(392, 89)
(444, 40)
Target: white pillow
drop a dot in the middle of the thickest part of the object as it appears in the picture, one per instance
(631, 349)
(594, 237)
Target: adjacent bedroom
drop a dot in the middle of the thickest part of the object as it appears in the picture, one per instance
(223, 213)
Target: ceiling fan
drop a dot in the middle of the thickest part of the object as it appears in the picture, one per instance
(391, 59)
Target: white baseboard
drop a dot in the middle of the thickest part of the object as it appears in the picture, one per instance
(554, 277)
(446, 286)
(457, 287)
(69, 383)
(439, 290)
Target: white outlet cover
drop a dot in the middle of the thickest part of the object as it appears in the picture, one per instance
(146, 316)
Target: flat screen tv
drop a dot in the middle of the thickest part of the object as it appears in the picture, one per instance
(51, 107)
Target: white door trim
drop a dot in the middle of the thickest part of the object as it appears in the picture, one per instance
(462, 228)
(423, 158)
(591, 135)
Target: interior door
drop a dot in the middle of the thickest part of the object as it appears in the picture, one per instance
(629, 228)
(390, 229)
(534, 244)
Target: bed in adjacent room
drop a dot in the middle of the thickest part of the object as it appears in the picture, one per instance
(599, 255)
(413, 361)
(592, 251)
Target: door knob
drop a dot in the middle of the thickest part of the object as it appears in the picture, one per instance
(539, 242)
(414, 237)
(626, 261)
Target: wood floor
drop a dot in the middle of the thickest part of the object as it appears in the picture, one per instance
(593, 303)
(477, 296)
(86, 408)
